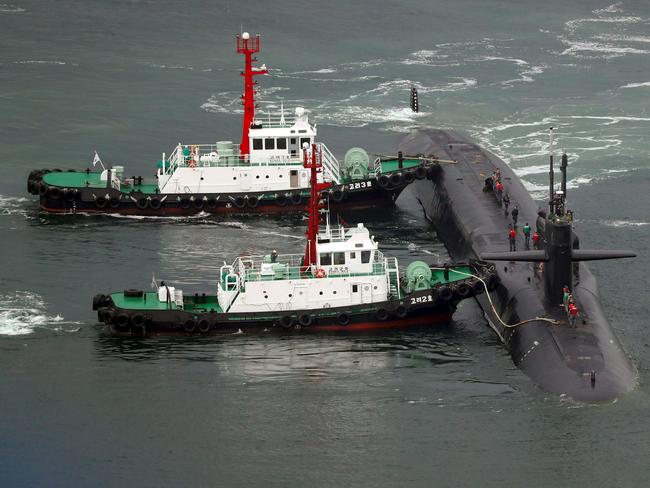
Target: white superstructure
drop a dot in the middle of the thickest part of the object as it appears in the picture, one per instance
(350, 270)
(274, 163)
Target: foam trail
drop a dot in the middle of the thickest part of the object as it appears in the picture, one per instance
(22, 312)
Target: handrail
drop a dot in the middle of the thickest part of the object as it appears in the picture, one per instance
(331, 166)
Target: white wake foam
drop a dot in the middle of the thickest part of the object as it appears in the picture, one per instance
(22, 312)
(13, 205)
(6, 8)
(636, 85)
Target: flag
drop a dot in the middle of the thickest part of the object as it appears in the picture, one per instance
(97, 160)
(154, 283)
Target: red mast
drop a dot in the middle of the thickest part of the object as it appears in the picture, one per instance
(248, 47)
(313, 161)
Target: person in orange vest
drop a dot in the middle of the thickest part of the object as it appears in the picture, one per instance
(499, 189)
(536, 240)
(573, 315)
(512, 236)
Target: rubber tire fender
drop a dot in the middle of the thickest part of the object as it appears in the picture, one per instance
(185, 203)
(382, 314)
(343, 318)
(43, 188)
(113, 202)
(142, 203)
(97, 301)
(401, 311)
(203, 326)
(211, 203)
(477, 287)
(463, 290)
(296, 198)
(396, 179)
(253, 201)
(445, 294)
(122, 321)
(107, 317)
(282, 200)
(305, 320)
(199, 203)
(337, 195)
(409, 177)
(383, 181)
(70, 195)
(138, 320)
(189, 326)
(286, 321)
(420, 173)
(240, 202)
(155, 203)
(101, 202)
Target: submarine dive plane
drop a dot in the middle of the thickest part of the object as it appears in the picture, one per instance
(583, 361)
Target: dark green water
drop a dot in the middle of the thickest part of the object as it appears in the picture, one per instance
(443, 407)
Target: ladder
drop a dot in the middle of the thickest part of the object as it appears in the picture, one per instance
(392, 273)
(331, 167)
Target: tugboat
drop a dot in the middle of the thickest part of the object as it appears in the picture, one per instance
(261, 174)
(341, 282)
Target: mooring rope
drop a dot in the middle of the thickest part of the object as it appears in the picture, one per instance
(487, 292)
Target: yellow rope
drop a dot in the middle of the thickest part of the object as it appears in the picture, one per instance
(536, 319)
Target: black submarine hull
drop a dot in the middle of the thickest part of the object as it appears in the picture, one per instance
(586, 363)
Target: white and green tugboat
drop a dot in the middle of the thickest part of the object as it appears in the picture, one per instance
(261, 174)
(342, 282)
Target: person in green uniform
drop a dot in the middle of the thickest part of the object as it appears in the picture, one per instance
(527, 235)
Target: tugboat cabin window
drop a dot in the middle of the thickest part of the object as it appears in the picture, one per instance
(269, 143)
(355, 288)
(257, 143)
(353, 255)
(365, 256)
(303, 140)
(293, 140)
(339, 258)
(325, 259)
(282, 143)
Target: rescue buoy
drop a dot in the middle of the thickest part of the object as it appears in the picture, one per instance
(320, 273)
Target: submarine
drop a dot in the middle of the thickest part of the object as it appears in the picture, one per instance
(583, 360)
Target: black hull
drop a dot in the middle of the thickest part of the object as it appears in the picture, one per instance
(359, 194)
(586, 363)
(375, 316)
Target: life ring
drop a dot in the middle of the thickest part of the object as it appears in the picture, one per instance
(189, 325)
(155, 203)
(43, 189)
(138, 320)
(281, 200)
(185, 203)
(142, 203)
(343, 318)
(296, 198)
(286, 321)
(463, 290)
(409, 177)
(100, 202)
(253, 201)
(305, 320)
(211, 203)
(401, 311)
(198, 203)
(133, 293)
(204, 326)
(445, 294)
(320, 273)
(396, 179)
(420, 173)
(240, 202)
(383, 181)
(382, 314)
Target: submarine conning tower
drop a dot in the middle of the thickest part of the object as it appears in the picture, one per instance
(559, 253)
